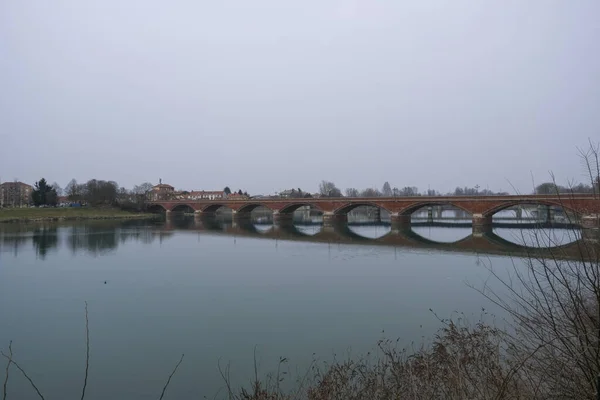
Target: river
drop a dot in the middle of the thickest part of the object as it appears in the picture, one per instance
(156, 290)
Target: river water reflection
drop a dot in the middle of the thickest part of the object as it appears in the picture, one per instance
(159, 289)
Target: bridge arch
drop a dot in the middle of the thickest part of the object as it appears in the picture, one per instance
(183, 208)
(290, 208)
(248, 208)
(533, 202)
(417, 206)
(457, 235)
(156, 208)
(346, 208)
(211, 208)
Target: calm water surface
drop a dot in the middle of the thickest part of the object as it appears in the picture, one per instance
(155, 293)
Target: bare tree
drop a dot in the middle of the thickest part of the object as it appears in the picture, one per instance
(352, 192)
(370, 192)
(74, 191)
(554, 302)
(328, 189)
(386, 190)
(408, 191)
(57, 189)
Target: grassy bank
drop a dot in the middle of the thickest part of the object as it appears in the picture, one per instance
(67, 213)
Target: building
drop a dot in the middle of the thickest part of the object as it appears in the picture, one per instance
(15, 194)
(162, 191)
(237, 196)
(206, 195)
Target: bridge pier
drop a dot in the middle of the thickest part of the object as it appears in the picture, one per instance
(590, 221)
(204, 214)
(400, 222)
(590, 228)
(330, 219)
(481, 225)
(280, 219)
(240, 216)
(591, 236)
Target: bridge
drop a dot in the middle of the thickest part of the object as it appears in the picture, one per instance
(487, 243)
(584, 208)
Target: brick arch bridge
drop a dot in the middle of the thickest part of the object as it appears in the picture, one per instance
(585, 206)
(487, 243)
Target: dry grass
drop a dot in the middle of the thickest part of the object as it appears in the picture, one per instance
(66, 213)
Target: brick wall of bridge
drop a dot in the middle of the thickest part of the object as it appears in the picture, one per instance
(482, 206)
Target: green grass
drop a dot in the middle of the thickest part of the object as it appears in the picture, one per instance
(26, 214)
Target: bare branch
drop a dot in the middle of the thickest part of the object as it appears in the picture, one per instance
(170, 376)
(13, 362)
(10, 354)
(87, 351)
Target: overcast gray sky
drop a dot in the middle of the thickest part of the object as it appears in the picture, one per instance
(265, 95)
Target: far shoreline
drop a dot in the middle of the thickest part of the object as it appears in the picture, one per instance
(25, 215)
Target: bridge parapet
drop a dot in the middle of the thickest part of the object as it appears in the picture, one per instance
(586, 206)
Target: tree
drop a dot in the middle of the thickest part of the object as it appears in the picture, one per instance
(74, 191)
(409, 191)
(555, 304)
(100, 193)
(352, 192)
(386, 190)
(546, 188)
(240, 192)
(328, 189)
(43, 194)
(143, 189)
(370, 192)
(57, 189)
(227, 190)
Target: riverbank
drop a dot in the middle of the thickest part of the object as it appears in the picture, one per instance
(67, 214)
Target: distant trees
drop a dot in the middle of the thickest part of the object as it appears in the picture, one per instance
(474, 191)
(294, 193)
(409, 191)
(44, 194)
(552, 188)
(74, 191)
(227, 191)
(57, 189)
(142, 194)
(100, 193)
(96, 192)
(328, 189)
(386, 190)
(370, 192)
(352, 192)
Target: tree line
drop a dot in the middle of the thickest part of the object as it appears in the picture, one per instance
(99, 193)
(108, 193)
(553, 188)
(329, 189)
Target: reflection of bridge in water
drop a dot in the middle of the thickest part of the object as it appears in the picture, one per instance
(486, 242)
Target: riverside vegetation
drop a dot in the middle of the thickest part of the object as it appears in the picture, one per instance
(550, 347)
(67, 213)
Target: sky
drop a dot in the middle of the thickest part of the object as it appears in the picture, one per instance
(265, 95)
